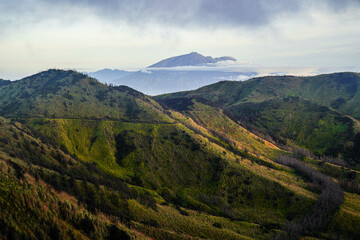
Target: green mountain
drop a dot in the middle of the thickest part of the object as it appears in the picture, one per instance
(311, 111)
(82, 160)
(338, 90)
(68, 94)
(320, 129)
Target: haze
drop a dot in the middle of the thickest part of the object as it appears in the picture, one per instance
(88, 35)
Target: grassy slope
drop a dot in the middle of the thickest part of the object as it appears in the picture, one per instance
(160, 147)
(262, 103)
(338, 90)
(32, 208)
(344, 223)
(162, 157)
(68, 94)
(134, 164)
(320, 129)
(256, 211)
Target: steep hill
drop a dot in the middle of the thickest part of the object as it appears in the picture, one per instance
(147, 170)
(308, 118)
(320, 129)
(338, 90)
(204, 118)
(143, 171)
(69, 94)
(191, 59)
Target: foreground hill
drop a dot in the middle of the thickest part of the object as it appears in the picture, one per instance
(312, 111)
(136, 169)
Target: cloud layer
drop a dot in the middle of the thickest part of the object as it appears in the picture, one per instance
(173, 13)
(39, 34)
(206, 13)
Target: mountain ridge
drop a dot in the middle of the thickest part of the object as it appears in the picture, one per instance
(293, 108)
(327, 89)
(133, 168)
(107, 75)
(63, 94)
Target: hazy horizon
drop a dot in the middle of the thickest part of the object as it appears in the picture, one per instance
(88, 35)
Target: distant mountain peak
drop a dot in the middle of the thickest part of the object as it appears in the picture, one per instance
(191, 59)
(107, 75)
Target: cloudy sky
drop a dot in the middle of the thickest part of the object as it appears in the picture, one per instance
(91, 34)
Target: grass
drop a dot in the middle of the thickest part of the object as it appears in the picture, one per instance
(193, 181)
(311, 111)
(140, 170)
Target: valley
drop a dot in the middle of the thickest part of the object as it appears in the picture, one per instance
(84, 160)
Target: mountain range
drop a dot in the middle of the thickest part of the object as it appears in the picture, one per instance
(233, 160)
(319, 113)
(168, 78)
(108, 75)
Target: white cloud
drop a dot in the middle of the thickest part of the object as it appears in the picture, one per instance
(39, 34)
(146, 71)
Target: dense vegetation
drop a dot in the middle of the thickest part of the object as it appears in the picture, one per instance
(330, 199)
(338, 90)
(300, 109)
(4, 82)
(322, 130)
(118, 165)
(68, 94)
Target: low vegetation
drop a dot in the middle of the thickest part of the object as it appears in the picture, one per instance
(115, 164)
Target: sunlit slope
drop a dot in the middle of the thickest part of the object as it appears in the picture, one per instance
(317, 113)
(125, 160)
(321, 129)
(45, 193)
(218, 124)
(244, 193)
(145, 172)
(182, 166)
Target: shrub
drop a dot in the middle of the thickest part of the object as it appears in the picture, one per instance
(217, 225)
(329, 201)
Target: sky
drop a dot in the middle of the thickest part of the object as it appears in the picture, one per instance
(88, 35)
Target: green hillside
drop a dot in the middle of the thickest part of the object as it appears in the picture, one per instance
(69, 94)
(311, 111)
(338, 90)
(322, 130)
(111, 163)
